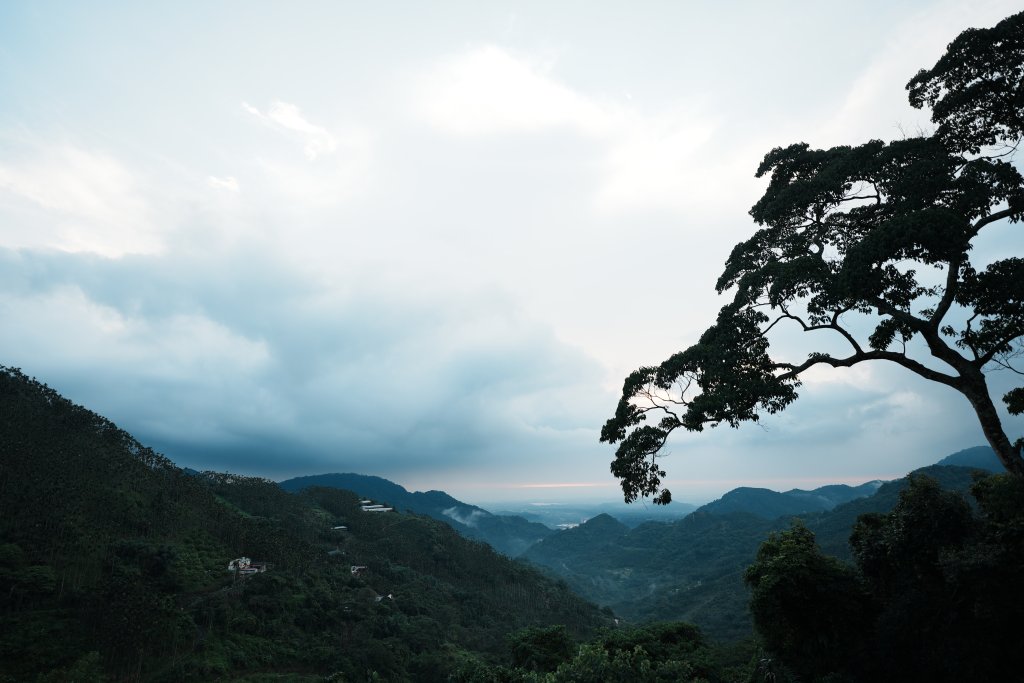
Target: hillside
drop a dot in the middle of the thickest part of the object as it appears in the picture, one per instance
(691, 570)
(113, 560)
(769, 504)
(591, 537)
(661, 571)
(510, 535)
(563, 515)
(979, 457)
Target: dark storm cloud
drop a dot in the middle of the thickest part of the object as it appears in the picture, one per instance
(221, 369)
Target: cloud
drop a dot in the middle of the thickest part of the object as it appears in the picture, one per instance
(408, 277)
(229, 183)
(343, 158)
(648, 161)
(319, 186)
(66, 197)
(873, 107)
(487, 90)
(286, 117)
(652, 163)
(469, 520)
(274, 373)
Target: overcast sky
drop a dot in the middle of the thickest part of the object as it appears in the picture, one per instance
(427, 241)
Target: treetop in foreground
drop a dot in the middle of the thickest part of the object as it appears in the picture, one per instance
(870, 237)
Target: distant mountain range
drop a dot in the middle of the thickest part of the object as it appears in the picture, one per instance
(114, 565)
(106, 546)
(691, 569)
(685, 568)
(508, 534)
(567, 515)
(769, 504)
(515, 532)
(979, 457)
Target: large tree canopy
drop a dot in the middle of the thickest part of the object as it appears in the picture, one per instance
(880, 232)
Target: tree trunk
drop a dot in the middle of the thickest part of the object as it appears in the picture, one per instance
(976, 390)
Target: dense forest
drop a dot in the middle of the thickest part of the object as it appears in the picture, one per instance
(936, 590)
(114, 567)
(692, 569)
(508, 534)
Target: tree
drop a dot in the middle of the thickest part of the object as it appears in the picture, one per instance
(809, 608)
(937, 593)
(541, 648)
(877, 237)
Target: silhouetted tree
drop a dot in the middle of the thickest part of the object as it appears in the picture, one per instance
(937, 593)
(877, 233)
(808, 608)
(947, 582)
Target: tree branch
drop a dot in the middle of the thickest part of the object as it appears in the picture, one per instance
(997, 347)
(834, 325)
(948, 296)
(794, 371)
(954, 267)
(993, 217)
(1005, 365)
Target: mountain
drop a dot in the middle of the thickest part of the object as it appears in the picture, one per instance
(564, 515)
(510, 535)
(979, 457)
(591, 536)
(832, 528)
(660, 571)
(769, 504)
(114, 566)
(692, 569)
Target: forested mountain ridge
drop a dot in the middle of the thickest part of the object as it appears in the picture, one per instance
(770, 504)
(381, 489)
(692, 569)
(978, 457)
(113, 565)
(507, 534)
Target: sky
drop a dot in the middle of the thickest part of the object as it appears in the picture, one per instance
(427, 241)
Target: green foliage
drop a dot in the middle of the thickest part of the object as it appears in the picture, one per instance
(119, 573)
(595, 663)
(688, 570)
(1014, 400)
(540, 649)
(731, 368)
(808, 607)
(665, 652)
(939, 593)
(86, 669)
(879, 229)
(974, 89)
(510, 535)
(692, 569)
(114, 563)
(900, 551)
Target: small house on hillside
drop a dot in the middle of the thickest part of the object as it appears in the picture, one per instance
(243, 566)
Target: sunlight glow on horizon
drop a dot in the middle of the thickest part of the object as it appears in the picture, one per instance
(689, 491)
